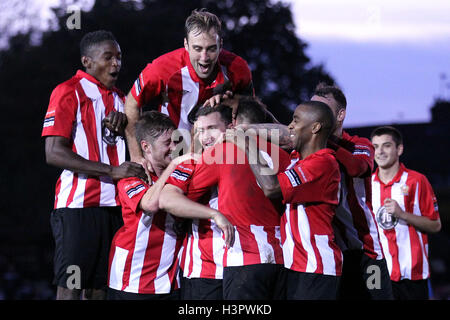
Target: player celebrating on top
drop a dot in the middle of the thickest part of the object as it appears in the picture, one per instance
(188, 77)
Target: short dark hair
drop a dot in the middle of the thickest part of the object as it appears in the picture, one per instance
(93, 38)
(151, 125)
(323, 90)
(323, 114)
(224, 111)
(393, 132)
(201, 20)
(252, 109)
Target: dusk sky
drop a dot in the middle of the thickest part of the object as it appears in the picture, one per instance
(387, 56)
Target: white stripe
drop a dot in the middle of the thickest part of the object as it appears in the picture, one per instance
(305, 236)
(187, 258)
(326, 254)
(266, 253)
(218, 249)
(189, 99)
(162, 281)
(120, 145)
(288, 244)
(117, 268)
(402, 231)
(140, 247)
(81, 144)
(196, 253)
(64, 190)
(235, 256)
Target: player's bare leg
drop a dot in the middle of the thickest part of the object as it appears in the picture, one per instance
(94, 294)
(67, 294)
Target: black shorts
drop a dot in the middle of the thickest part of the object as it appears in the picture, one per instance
(254, 282)
(202, 289)
(113, 294)
(310, 286)
(364, 278)
(82, 242)
(410, 289)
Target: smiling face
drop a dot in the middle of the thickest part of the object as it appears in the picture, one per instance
(203, 49)
(387, 153)
(209, 129)
(103, 62)
(159, 152)
(300, 129)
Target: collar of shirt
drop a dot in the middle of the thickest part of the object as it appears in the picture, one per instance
(320, 152)
(83, 74)
(396, 178)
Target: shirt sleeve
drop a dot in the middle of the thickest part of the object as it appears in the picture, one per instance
(241, 77)
(61, 112)
(356, 156)
(311, 181)
(131, 191)
(182, 175)
(427, 200)
(148, 85)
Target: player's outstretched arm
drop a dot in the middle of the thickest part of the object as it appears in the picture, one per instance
(174, 201)
(58, 153)
(132, 111)
(276, 133)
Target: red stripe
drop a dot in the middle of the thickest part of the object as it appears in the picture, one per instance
(249, 246)
(275, 243)
(206, 249)
(319, 268)
(175, 95)
(416, 248)
(72, 190)
(191, 255)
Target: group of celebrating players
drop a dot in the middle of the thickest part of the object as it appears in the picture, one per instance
(219, 200)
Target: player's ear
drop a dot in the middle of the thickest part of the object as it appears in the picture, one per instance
(145, 146)
(400, 150)
(186, 46)
(86, 62)
(341, 115)
(316, 127)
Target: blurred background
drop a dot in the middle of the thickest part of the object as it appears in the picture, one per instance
(390, 60)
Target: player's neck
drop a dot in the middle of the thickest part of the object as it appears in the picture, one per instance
(309, 149)
(387, 174)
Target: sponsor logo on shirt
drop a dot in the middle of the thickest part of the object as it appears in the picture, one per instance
(404, 189)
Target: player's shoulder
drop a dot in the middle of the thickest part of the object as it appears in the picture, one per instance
(130, 183)
(176, 57)
(356, 139)
(67, 86)
(415, 176)
(228, 58)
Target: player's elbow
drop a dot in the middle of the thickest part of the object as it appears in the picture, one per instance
(151, 206)
(435, 226)
(271, 191)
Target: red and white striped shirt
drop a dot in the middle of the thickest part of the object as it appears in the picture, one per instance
(240, 199)
(405, 247)
(205, 247)
(355, 224)
(310, 190)
(144, 251)
(173, 80)
(76, 110)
